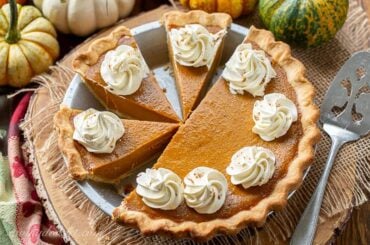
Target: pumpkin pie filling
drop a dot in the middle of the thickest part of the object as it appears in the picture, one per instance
(141, 142)
(147, 103)
(219, 127)
(191, 82)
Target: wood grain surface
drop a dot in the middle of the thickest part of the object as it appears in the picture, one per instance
(356, 231)
(357, 228)
(366, 5)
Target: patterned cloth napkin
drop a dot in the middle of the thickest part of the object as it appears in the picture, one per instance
(22, 218)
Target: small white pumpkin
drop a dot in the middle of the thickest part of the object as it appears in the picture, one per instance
(83, 17)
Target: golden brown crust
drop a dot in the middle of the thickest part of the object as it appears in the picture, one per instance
(84, 60)
(66, 143)
(84, 63)
(281, 54)
(178, 18)
(70, 153)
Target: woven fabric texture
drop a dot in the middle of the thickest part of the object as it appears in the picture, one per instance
(349, 182)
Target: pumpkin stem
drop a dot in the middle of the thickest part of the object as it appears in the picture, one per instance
(13, 35)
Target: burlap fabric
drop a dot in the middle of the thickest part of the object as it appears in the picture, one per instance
(349, 183)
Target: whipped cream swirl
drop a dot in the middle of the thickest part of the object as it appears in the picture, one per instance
(205, 190)
(273, 116)
(160, 188)
(123, 69)
(251, 166)
(98, 131)
(248, 70)
(193, 45)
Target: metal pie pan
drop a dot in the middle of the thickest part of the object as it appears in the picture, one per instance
(151, 39)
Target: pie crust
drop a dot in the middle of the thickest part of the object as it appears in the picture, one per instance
(192, 82)
(277, 199)
(178, 18)
(141, 142)
(148, 103)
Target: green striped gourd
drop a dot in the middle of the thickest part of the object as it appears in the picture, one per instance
(305, 23)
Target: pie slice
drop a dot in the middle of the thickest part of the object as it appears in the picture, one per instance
(141, 141)
(147, 103)
(220, 126)
(192, 79)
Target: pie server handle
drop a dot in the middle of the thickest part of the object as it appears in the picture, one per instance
(306, 228)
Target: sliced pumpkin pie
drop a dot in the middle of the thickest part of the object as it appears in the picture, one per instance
(114, 70)
(239, 155)
(195, 43)
(100, 146)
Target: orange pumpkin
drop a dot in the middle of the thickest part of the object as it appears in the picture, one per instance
(235, 8)
(28, 44)
(2, 2)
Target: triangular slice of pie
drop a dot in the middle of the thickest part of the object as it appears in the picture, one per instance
(141, 142)
(195, 43)
(220, 127)
(122, 81)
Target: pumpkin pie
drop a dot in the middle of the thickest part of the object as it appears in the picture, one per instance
(195, 43)
(141, 141)
(221, 126)
(115, 72)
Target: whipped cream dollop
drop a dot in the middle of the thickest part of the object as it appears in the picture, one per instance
(123, 70)
(98, 131)
(251, 166)
(273, 116)
(160, 188)
(205, 190)
(248, 70)
(193, 45)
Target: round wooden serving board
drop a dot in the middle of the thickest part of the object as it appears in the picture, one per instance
(72, 221)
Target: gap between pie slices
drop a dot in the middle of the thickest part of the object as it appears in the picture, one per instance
(141, 142)
(192, 82)
(221, 125)
(148, 103)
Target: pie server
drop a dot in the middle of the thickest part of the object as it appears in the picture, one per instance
(345, 117)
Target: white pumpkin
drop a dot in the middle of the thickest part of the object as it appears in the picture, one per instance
(83, 17)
